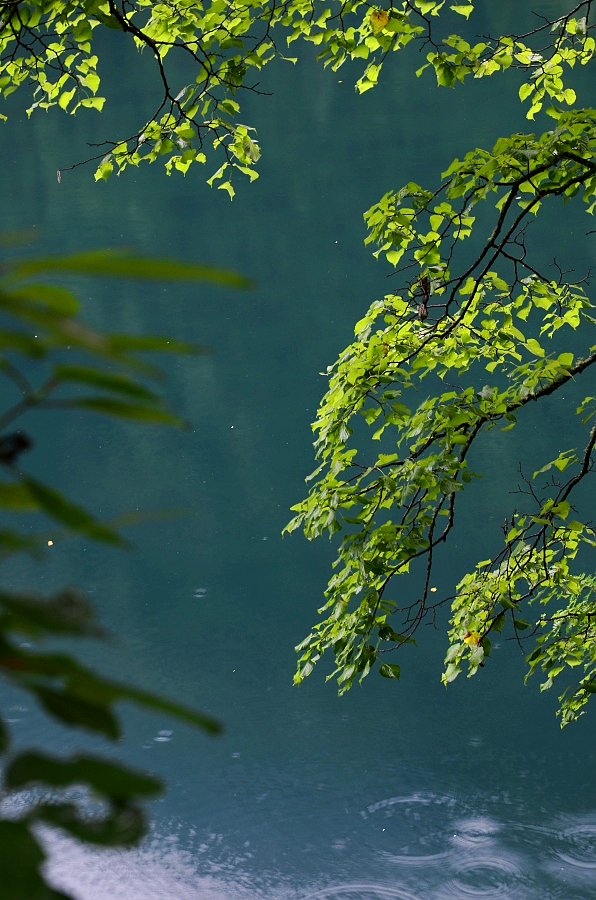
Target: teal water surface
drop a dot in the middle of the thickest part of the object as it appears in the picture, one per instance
(402, 791)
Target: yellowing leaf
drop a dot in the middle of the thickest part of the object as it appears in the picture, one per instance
(378, 20)
(472, 638)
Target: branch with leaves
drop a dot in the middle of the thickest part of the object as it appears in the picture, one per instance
(458, 316)
(39, 324)
(50, 47)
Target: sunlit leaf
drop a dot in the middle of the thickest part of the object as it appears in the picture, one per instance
(378, 20)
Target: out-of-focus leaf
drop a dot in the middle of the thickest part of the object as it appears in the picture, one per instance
(118, 264)
(12, 445)
(22, 859)
(57, 506)
(4, 739)
(139, 517)
(89, 687)
(62, 330)
(151, 701)
(55, 299)
(128, 411)
(106, 380)
(18, 236)
(16, 662)
(71, 710)
(67, 612)
(124, 826)
(23, 343)
(12, 542)
(107, 778)
(17, 497)
(125, 342)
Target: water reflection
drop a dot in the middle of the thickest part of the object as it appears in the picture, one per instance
(440, 852)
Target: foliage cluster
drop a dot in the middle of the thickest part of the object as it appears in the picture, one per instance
(48, 46)
(42, 335)
(417, 374)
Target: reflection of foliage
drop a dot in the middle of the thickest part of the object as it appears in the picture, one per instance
(458, 316)
(227, 43)
(39, 324)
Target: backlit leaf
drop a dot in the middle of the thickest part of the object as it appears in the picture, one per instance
(378, 20)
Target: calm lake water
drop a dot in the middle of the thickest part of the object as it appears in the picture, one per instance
(402, 791)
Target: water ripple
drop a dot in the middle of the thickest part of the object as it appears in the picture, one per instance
(573, 843)
(492, 876)
(359, 892)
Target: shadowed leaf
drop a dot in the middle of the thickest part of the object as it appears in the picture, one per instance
(106, 380)
(17, 497)
(125, 342)
(4, 738)
(57, 506)
(107, 778)
(23, 881)
(128, 411)
(113, 263)
(51, 297)
(68, 612)
(389, 670)
(72, 710)
(124, 826)
(151, 701)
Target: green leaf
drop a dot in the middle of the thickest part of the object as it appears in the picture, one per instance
(23, 343)
(565, 359)
(103, 379)
(74, 711)
(152, 701)
(463, 9)
(134, 411)
(117, 264)
(75, 517)
(123, 826)
(104, 169)
(49, 296)
(22, 858)
(67, 612)
(499, 621)
(389, 670)
(12, 542)
(17, 497)
(4, 737)
(107, 778)
(151, 343)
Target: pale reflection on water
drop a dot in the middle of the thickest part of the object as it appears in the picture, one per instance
(438, 852)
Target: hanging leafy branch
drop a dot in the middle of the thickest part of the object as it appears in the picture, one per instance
(465, 311)
(49, 46)
(39, 330)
